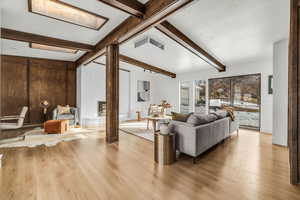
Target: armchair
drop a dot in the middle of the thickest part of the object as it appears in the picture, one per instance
(72, 116)
(18, 120)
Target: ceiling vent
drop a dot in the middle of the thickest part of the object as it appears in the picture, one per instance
(147, 41)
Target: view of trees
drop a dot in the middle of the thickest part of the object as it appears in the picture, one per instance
(240, 92)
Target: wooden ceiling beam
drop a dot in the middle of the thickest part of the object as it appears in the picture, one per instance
(155, 12)
(121, 69)
(136, 8)
(132, 7)
(146, 66)
(10, 34)
(141, 64)
(172, 32)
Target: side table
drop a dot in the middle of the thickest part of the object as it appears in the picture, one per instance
(164, 148)
(56, 126)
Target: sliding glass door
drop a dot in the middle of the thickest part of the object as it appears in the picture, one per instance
(246, 100)
(242, 93)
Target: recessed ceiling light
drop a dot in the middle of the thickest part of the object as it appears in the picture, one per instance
(51, 48)
(67, 13)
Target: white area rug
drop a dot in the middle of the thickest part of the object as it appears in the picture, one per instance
(139, 129)
(37, 137)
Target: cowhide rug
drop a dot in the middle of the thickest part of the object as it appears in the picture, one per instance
(37, 137)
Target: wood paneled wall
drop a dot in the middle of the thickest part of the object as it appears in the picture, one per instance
(28, 81)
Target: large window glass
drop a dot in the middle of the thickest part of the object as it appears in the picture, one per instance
(242, 93)
(220, 89)
(246, 100)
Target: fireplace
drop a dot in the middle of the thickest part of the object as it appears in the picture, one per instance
(101, 108)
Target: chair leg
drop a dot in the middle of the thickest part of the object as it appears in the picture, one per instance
(238, 130)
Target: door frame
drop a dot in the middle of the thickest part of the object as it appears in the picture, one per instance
(294, 92)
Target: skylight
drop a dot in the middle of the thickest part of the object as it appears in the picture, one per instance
(51, 48)
(67, 13)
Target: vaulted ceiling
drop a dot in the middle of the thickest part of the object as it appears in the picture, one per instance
(231, 30)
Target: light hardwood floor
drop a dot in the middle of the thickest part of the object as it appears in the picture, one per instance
(244, 167)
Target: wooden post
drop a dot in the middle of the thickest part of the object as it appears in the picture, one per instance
(112, 93)
(293, 110)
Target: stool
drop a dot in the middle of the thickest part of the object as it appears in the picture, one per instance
(56, 126)
(164, 148)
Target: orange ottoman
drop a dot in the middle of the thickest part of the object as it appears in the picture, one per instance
(56, 126)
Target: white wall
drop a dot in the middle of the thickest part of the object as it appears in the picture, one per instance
(91, 89)
(280, 89)
(78, 91)
(142, 106)
(170, 89)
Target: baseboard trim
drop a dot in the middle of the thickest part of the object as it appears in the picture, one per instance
(266, 133)
(31, 125)
(280, 145)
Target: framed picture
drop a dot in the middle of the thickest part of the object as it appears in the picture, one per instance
(143, 91)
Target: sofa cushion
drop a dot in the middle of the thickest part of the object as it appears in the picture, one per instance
(201, 119)
(63, 109)
(193, 120)
(180, 117)
(220, 114)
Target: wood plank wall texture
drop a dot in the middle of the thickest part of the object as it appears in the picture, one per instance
(28, 81)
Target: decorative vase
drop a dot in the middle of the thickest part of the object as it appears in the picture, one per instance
(164, 129)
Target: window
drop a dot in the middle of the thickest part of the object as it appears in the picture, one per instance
(220, 89)
(67, 13)
(242, 93)
(193, 96)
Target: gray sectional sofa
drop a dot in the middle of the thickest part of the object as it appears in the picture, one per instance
(193, 139)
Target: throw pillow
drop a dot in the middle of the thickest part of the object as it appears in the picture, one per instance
(63, 109)
(193, 120)
(220, 114)
(205, 119)
(180, 117)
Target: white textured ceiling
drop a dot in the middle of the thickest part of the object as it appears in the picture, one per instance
(235, 30)
(232, 30)
(173, 58)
